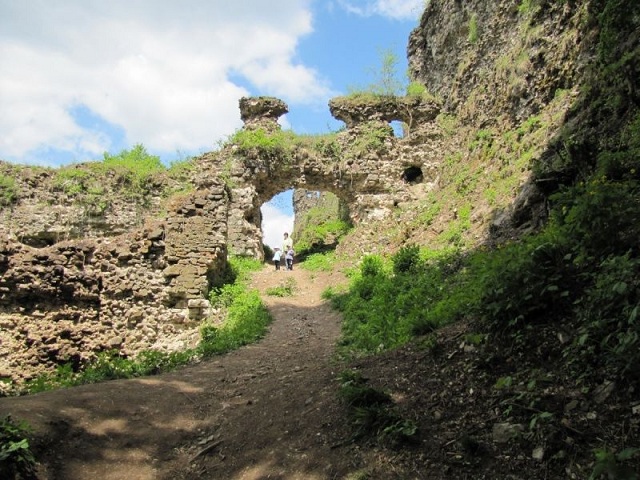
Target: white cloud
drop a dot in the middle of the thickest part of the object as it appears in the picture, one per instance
(274, 224)
(396, 9)
(160, 70)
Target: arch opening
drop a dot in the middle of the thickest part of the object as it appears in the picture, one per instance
(399, 128)
(278, 216)
(412, 174)
(322, 219)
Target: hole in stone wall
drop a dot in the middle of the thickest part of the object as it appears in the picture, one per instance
(398, 128)
(41, 240)
(412, 175)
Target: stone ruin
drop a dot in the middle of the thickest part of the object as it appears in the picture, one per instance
(63, 300)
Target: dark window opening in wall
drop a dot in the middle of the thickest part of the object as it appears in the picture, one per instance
(412, 175)
(399, 129)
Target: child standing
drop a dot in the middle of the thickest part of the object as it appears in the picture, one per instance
(289, 258)
(277, 254)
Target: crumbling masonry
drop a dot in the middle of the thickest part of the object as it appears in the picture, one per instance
(132, 278)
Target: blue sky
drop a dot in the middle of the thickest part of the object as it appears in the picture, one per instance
(83, 77)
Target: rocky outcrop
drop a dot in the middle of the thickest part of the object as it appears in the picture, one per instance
(497, 62)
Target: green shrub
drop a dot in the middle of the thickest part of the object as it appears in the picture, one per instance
(315, 236)
(614, 465)
(16, 458)
(608, 314)
(246, 316)
(8, 191)
(268, 144)
(371, 137)
(406, 259)
(527, 282)
(473, 29)
(130, 171)
(599, 217)
(247, 321)
(416, 89)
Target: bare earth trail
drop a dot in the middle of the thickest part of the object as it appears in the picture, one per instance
(267, 410)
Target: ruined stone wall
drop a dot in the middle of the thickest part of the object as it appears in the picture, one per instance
(364, 167)
(48, 211)
(137, 291)
(63, 301)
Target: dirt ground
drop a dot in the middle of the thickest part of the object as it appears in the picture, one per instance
(272, 411)
(267, 410)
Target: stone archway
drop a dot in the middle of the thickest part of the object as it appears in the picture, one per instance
(362, 165)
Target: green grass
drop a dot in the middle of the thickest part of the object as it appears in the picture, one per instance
(320, 262)
(284, 289)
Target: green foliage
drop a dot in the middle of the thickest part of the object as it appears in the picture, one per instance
(416, 89)
(267, 144)
(526, 7)
(319, 262)
(526, 282)
(387, 83)
(181, 170)
(110, 365)
(372, 413)
(129, 171)
(473, 29)
(599, 217)
(246, 319)
(135, 165)
(448, 123)
(386, 306)
(613, 464)
(284, 289)
(8, 190)
(325, 144)
(16, 458)
(316, 235)
(608, 313)
(236, 274)
(406, 259)
(371, 137)
(386, 79)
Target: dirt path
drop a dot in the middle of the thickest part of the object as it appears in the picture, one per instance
(268, 410)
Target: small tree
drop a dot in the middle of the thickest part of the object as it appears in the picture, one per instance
(386, 77)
